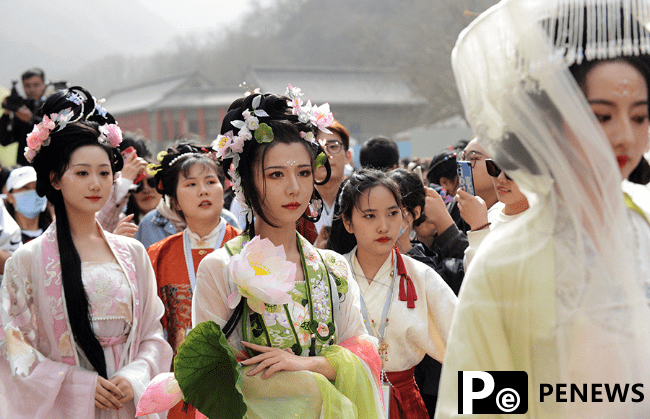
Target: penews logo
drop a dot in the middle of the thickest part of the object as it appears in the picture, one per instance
(492, 392)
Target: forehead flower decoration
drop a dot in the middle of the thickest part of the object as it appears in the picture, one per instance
(231, 144)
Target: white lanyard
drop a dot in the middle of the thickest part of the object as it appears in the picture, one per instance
(387, 304)
(187, 249)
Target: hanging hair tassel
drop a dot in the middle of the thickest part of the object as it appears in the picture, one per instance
(598, 29)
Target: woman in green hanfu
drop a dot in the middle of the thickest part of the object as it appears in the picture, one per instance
(289, 310)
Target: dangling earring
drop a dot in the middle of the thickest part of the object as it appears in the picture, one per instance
(315, 207)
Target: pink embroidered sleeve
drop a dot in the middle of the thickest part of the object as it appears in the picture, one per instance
(35, 384)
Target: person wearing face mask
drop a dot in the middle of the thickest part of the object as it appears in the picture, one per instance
(23, 203)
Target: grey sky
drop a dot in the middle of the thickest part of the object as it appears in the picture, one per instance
(61, 36)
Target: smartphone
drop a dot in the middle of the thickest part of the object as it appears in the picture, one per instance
(465, 179)
(125, 155)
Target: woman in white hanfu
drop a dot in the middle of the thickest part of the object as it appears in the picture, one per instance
(556, 293)
(405, 303)
(81, 335)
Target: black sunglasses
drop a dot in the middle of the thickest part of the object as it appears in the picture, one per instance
(150, 181)
(492, 168)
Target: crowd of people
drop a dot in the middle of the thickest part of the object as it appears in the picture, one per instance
(341, 291)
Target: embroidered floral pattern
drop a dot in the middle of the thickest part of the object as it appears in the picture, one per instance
(108, 296)
(20, 354)
(65, 345)
(177, 300)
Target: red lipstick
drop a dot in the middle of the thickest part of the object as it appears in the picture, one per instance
(383, 239)
(94, 198)
(622, 161)
(292, 206)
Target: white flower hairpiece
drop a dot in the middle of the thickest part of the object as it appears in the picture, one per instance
(230, 145)
(319, 116)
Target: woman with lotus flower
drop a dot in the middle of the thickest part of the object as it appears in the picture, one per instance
(292, 310)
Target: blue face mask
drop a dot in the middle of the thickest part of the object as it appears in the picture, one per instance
(29, 204)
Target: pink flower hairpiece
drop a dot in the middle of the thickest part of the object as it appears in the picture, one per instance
(40, 135)
(320, 116)
(110, 134)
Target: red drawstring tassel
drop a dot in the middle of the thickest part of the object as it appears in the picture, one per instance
(406, 288)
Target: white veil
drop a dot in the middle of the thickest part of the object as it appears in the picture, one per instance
(588, 320)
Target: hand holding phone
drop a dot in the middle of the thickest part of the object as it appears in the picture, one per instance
(465, 178)
(126, 155)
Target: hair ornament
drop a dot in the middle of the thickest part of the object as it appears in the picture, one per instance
(314, 207)
(249, 91)
(76, 98)
(110, 134)
(40, 135)
(320, 116)
(99, 108)
(608, 32)
(153, 168)
(180, 156)
(308, 136)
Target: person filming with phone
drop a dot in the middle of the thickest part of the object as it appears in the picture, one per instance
(21, 113)
(487, 180)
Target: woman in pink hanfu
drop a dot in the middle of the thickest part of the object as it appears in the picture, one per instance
(81, 335)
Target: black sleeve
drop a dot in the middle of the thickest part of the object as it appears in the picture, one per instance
(6, 136)
(451, 243)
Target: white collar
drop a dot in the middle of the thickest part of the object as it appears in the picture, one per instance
(206, 242)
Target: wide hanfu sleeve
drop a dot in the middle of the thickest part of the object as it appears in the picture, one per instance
(33, 382)
(213, 286)
(153, 355)
(355, 358)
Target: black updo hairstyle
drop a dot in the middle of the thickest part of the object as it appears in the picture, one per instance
(442, 165)
(286, 130)
(166, 178)
(412, 192)
(54, 159)
(351, 190)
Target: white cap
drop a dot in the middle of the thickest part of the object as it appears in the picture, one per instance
(20, 177)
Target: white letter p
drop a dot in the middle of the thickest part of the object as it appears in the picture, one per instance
(468, 395)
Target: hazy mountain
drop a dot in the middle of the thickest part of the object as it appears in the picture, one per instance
(416, 37)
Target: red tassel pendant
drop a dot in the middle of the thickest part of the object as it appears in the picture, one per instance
(406, 287)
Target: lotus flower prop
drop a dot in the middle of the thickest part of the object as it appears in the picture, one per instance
(262, 275)
(161, 394)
